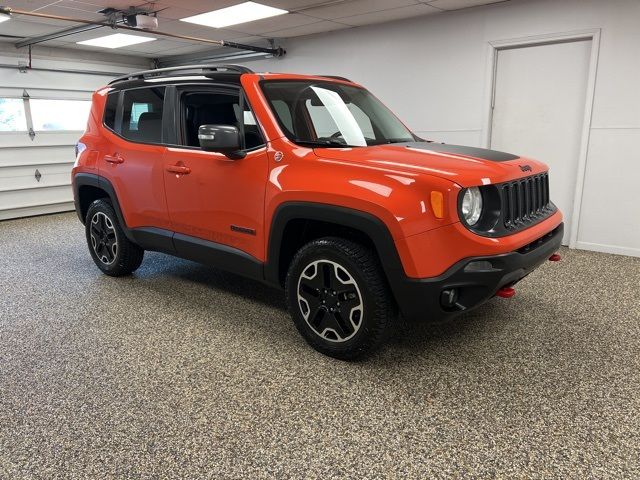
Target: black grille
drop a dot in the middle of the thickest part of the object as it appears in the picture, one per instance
(525, 201)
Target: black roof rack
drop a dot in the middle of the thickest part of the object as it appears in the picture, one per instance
(183, 70)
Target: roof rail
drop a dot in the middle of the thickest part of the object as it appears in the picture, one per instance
(202, 69)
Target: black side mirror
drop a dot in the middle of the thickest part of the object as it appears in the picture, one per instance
(221, 138)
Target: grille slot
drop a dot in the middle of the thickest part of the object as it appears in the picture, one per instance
(524, 201)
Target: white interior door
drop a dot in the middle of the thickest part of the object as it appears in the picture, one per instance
(538, 111)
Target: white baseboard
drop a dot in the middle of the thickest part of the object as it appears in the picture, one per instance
(615, 249)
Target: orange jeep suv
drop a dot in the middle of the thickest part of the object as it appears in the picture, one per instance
(310, 184)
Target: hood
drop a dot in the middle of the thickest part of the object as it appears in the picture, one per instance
(466, 166)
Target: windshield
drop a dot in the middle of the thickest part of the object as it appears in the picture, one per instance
(330, 114)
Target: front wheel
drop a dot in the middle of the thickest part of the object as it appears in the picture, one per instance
(110, 249)
(338, 298)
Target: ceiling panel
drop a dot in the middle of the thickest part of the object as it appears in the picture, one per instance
(219, 34)
(157, 46)
(28, 5)
(180, 28)
(77, 5)
(274, 23)
(389, 15)
(172, 12)
(191, 49)
(317, 27)
(67, 11)
(357, 7)
(295, 5)
(20, 28)
(202, 6)
(26, 20)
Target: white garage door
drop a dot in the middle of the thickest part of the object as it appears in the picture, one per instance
(42, 115)
(539, 102)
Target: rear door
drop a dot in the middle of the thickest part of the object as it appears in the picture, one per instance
(132, 158)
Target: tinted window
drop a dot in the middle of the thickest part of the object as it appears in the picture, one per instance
(110, 110)
(142, 114)
(216, 108)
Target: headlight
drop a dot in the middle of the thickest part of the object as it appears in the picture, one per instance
(471, 205)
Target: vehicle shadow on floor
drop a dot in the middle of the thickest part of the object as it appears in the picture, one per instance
(407, 335)
(214, 279)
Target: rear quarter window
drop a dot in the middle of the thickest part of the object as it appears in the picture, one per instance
(110, 110)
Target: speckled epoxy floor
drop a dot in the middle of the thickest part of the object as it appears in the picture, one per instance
(185, 372)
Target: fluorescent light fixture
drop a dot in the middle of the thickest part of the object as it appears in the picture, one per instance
(117, 40)
(4, 17)
(241, 13)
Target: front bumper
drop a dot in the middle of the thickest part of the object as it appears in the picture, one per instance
(474, 280)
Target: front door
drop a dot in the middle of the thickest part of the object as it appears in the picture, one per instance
(210, 196)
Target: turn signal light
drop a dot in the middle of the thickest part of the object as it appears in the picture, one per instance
(437, 204)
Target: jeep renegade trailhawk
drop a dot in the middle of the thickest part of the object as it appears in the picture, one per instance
(310, 184)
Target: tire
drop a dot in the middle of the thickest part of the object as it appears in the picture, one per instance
(339, 299)
(110, 249)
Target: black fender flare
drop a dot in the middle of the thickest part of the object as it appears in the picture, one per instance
(97, 181)
(367, 223)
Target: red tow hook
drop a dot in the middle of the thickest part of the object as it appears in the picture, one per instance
(506, 292)
(555, 257)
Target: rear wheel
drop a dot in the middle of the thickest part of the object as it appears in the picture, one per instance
(110, 249)
(338, 297)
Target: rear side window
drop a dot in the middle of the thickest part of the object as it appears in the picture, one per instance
(142, 114)
(110, 110)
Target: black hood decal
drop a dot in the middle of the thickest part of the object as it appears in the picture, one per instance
(482, 153)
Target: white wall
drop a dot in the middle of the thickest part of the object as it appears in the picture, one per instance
(50, 153)
(432, 71)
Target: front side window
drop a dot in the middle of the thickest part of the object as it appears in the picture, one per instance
(331, 114)
(12, 116)
(218, 108)
(142, 114)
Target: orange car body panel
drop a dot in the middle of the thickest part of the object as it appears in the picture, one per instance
(391, 182)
